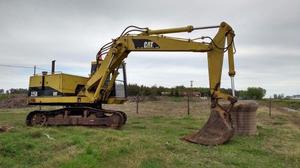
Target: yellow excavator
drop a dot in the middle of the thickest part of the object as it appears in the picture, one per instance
(82, 97)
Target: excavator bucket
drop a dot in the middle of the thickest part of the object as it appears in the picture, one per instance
(217, 130)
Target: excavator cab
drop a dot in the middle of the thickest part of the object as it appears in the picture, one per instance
(121, 82)
(93, 67)
(119, 90)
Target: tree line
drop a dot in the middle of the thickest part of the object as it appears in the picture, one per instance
(14, 91)
(255, 93)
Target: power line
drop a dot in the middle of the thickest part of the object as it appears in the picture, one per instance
(21, 66)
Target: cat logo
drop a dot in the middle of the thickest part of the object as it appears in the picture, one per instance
(145, 44)
(148, 44)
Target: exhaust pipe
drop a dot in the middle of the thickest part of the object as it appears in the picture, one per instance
(53, 67)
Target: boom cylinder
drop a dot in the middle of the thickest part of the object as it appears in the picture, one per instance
(230, 54)
(188, 28)
(171, 30)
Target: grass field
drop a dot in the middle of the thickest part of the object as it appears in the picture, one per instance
(293, 104)
(150, 139)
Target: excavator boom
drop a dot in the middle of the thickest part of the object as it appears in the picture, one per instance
(218, 129)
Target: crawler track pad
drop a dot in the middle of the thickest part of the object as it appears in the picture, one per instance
(74, 116)
(217, 130)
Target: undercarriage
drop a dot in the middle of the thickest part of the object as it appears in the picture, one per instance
(82, 116)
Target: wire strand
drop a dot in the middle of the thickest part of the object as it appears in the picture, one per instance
(21, 66)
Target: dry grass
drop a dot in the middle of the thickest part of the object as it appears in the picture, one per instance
(174, 106)
(285, 126)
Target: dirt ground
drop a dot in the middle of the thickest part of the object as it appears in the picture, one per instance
(14, 101)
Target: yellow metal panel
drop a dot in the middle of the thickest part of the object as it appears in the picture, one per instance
(167, 44)
(58, 99)
(35, 81)
(70, 82)
(53, 81)
(115, 100)
(63, 83)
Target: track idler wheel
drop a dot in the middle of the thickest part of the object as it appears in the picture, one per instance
(217, 130)
(116, 120)
(36, 118)
(124, 116)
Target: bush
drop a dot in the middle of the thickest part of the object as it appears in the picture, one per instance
(254, 93)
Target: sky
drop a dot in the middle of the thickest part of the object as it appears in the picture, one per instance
(267, 40)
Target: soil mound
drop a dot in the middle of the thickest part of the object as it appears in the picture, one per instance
(14, 101)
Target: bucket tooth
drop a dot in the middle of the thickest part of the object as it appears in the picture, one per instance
(217, 130)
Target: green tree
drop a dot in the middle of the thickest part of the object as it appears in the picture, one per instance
(176, 92)
(255, 93)
(133, 89)
(18, 91)
(243, 94)
(278, 96)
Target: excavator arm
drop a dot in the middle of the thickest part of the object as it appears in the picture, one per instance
(218, 129)
(153, 40)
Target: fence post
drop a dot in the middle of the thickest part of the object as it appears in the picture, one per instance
(270, 106)
(137, 104)
(188, 104)
(189, 93)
